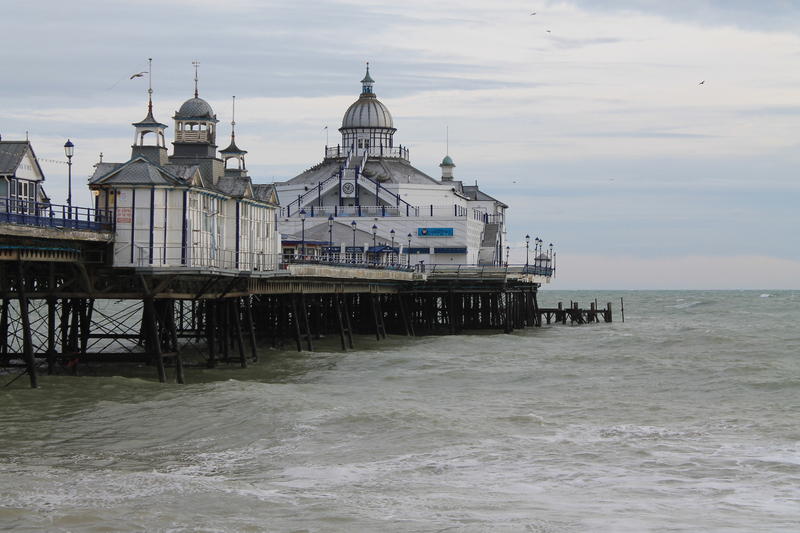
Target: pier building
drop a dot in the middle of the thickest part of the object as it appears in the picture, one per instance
(191, 208)
(367, 183)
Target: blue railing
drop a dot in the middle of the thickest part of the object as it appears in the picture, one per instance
(25, 213)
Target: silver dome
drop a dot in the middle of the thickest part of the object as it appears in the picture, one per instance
(195, 108)
(367, 112)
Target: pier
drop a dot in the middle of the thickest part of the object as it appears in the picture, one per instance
(185, 260)
(63, 306)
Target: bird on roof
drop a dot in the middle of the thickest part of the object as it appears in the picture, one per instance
(138, 75)
(702, 82)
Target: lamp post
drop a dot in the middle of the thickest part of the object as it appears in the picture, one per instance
(550, 256)
(527, 251)
(353, 225)
(508, 252)
(374, 241)
(69, 150)
(537, 252)
(408, 250)
(391, 256)
(330, 235)
(303, 234)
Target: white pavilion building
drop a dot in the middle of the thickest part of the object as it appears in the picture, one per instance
(192, 208)
(366, 197)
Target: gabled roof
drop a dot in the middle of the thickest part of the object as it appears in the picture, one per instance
(11, 155)
(475, 194)
(265, 192)
(138, 171)
(237, 187)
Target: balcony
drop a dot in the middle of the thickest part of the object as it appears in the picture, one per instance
(25, 213)
(395, 152)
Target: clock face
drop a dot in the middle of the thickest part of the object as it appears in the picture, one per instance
(348, 188)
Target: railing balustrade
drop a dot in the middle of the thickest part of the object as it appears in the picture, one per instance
(26, 213)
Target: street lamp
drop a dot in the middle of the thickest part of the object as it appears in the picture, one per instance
(330, 234)
(550, 256)
(374, 241)
(408, 250)
(353, 225)
(303, 233)
(391, 257)
(69, 150)
(527, 251)
(508, 252)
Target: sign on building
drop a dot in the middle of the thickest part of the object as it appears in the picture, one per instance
(434, 232)
(124, 215)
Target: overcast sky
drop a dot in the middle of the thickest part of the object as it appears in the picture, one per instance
(587, 118)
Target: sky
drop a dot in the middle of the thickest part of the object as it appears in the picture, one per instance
(588, 118)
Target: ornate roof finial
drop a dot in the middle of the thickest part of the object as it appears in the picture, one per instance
(150, 85)
(195, 64)
(233, 118)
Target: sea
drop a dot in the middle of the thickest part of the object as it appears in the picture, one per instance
(686, 417)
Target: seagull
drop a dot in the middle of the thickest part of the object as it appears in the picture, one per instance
(702, 82)
(532, 14)
(548, 31)
(138, 75)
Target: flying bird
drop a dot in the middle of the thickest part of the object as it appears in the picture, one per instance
(532, 14)
(138, 75)
(548, 31)
(702, 82)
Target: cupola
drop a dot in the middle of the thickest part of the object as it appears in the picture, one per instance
(148, 140)
(367, 123)
(447, 167)
(233, 153)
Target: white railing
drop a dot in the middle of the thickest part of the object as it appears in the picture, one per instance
(395, 152)
(204, 257)
(421, 211)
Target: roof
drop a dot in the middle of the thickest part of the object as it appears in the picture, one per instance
(138, 171)
(447, 162)
(149, 120)
(196, 108)
(265, 192)
(367, 77)
(475, 194)
(384, 170)
(367, 112)
(238, 186)
(11, 154)
(232, 148)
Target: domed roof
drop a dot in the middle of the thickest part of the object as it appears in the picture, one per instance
(447, 162)
(196, 108)
(367, 112)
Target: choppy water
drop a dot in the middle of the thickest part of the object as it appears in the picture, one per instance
(685, 418)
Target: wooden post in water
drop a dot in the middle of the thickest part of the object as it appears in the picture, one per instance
(622, 308)
(27, 340)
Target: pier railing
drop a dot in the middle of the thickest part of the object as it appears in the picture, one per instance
(487, 271)
(212, 258)
(25, 213)
(432, 210)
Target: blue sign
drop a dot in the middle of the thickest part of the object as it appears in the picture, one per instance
(434, 232)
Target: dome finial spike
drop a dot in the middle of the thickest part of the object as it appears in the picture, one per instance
(150, 85)
(195, 64)
(233, 118)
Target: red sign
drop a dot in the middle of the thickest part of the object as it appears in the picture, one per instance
(124, 215)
